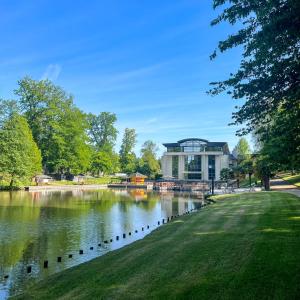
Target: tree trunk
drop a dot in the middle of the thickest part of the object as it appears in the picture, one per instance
(267, 182)
(11, 184)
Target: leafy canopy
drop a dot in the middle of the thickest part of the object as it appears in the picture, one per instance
(58, 126)
(20, 158)
(127, 155)
(269, 74)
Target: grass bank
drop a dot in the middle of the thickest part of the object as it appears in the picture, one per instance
(242, 247)
(292, 179)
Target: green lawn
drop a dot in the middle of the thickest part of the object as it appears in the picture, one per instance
(293, 179)
(242, 247)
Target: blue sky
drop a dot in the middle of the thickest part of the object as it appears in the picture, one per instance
(146, 61)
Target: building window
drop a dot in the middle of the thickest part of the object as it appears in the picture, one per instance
(211, 167)
(192, 176)
(192, 146)
(192, 167)
(192, 163)
(173, 149)
(175, 166)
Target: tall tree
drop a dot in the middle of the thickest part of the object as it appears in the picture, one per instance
(280, 139)
(104, 162)
(269, 73)
(148, 163)
(127, 155)
(58, 126)
(102, 129)
(20, 158)
(242, 150)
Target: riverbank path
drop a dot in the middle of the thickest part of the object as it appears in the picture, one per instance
(278, 184)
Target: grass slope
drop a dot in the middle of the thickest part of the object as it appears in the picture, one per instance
(292, 179)
(242, 247)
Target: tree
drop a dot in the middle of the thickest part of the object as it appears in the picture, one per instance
(58, 126)
(20, 158)
(127, 155)
(269, 73)
(104, 162)
(102, 129)
(264, 169)
(280, 139)
(226, 174)
(242, 149)
(247, 167)
(148, 163)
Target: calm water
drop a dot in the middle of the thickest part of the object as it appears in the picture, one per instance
(39, 226)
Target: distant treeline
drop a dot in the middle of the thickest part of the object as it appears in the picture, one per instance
(43, 131)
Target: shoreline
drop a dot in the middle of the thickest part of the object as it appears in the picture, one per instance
(167, 263)
(39, 188)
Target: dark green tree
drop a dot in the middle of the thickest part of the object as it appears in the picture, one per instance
(226, 174)
(247, 168)
(269, 73)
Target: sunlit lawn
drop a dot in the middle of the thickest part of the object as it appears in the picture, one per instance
(242, 247)
(293, 179)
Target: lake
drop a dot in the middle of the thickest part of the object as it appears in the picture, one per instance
(54, 226)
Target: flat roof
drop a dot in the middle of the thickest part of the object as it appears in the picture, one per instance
(206, 142)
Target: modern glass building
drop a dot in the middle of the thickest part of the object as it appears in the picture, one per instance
(195, 159)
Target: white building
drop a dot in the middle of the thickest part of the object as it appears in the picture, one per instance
(195, 159)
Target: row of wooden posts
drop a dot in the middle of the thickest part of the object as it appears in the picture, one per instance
(59, 258)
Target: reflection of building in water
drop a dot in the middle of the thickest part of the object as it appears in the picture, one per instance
(138, 194)
(174, 203)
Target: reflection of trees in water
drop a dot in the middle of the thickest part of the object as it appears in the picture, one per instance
(43, 225)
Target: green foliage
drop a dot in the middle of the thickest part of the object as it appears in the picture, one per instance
(280, 139)
(242, 149)
(127, 156)
(102, 130)
(247, 166)
(20, 158)
(104, 162)
(226, 174)
(268, 77)
(58, 126)
(148, 163)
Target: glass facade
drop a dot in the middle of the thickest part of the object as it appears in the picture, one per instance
(173, 149)
(192, 167)
(211, 167)
(192, 146)
(175, 166)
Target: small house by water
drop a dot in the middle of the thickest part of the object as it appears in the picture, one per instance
(137, 178)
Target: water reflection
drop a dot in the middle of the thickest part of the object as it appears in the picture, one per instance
(40, 226)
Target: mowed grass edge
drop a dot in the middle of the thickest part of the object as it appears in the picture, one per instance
(242, 247)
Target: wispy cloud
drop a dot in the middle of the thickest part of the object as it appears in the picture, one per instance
(52, 72)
